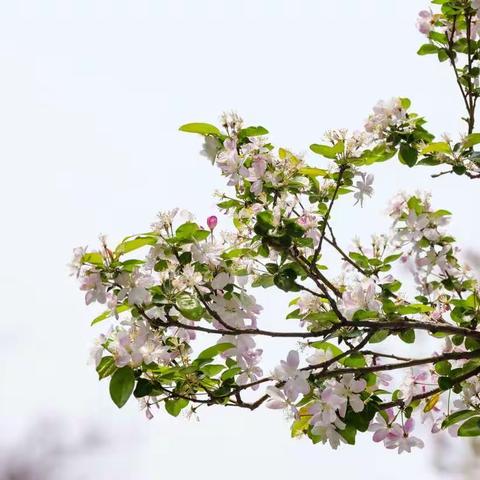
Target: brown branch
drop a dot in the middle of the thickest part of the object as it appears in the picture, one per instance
(401, 365)
(327, 214)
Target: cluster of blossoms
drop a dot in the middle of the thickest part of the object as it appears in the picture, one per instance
(155, 302)
(167, 290)
(420, 233)
(428, 22)
(385, 116)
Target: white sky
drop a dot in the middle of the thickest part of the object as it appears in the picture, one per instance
(91, 97)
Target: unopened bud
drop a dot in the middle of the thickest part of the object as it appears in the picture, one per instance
(212, 222)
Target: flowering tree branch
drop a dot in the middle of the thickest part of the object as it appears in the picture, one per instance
(165, 288)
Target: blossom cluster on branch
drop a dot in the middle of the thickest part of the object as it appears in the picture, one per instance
(167, 290)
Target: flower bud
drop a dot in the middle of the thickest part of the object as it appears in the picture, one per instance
(212, 222)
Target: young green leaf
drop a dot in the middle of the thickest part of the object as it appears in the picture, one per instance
(201, 128)
(215, 350)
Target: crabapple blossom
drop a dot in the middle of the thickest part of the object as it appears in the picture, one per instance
(328, 433)
(309, 221)
(295, 380)
(425, 21)
(362, 296)
(135, 287)
(382, 425)
(385, 115)
(325, 410)
(350, 389)
(400, 437)
(415, 382)
(277, 398)
(364, 187)
(96, 291)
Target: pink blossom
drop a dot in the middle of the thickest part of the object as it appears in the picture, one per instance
(309, 222)
(425, 21)
(278, 400)
(364, 187)
(381, 427)
(399, 437)
(96, 291)
(350, 389)
(295, 380)
(212, 222)
(359, 297)
(414, 383)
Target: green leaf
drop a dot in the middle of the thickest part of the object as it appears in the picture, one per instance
(190, 232)
(361, 420)
(121, 386)
(230, 373)
(322, 317)
(94, 258)
(364, 315)
(201, 128)
(392, 258)
(253, 132)
(285, 280)
(437, 147)
(443, 367)
(458, 417)
(131, 265)
(441, 213)
(413, 309)
(143, 388)
(427, 49)
(443, 54)
(408, 336)
(327, 346)
(190, 307)
(471, 140)
(264, 280)
(238, 252)
(130, 245)
(349, 434)
(445, 383)
(472, 344)
(212, 370)
(215, 350)
(174, 407)
(437, 36)
(108, 313)
(355, 360)
(106, 367)
(379, 336)
(313, 172)
(327, 150)
(229, 204)
(471, 428)
(405, 102)
(407, 154)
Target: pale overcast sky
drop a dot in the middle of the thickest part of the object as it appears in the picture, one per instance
(91, 96)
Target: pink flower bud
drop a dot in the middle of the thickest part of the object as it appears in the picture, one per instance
(212, 222)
